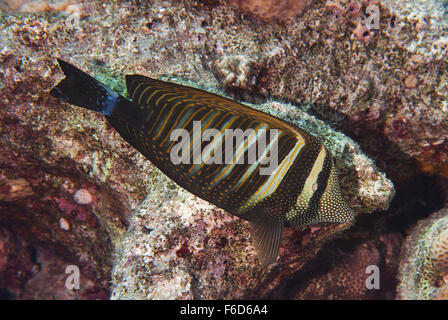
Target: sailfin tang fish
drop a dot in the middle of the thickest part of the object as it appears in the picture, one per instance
(301, 189)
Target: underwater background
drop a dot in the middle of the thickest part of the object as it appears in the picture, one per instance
(369, 78)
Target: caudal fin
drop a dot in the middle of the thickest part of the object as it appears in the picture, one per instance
(82, 90)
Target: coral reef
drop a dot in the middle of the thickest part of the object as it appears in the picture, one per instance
(439, 254)
(428, 19)
(385, 88)
(341, 269)
(423, 260)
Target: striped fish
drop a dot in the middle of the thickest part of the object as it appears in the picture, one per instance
(183, 131)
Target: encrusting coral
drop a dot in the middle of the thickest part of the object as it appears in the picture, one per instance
(439, 255)
(424, 259)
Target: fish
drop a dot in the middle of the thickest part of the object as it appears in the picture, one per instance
(272, 173)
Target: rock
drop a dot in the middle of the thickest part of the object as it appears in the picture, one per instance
(63, 224)
(442, 294)
(178, 246)
(15, 189)
(411, 81)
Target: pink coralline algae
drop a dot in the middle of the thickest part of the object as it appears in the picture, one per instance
(77, 211)
(33, 6)
(272, 9)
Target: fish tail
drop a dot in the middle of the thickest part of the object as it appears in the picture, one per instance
(80, 89)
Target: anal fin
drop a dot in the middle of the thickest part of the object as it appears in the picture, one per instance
(268, 236)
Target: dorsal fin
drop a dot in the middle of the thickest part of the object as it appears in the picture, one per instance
(140, 88)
